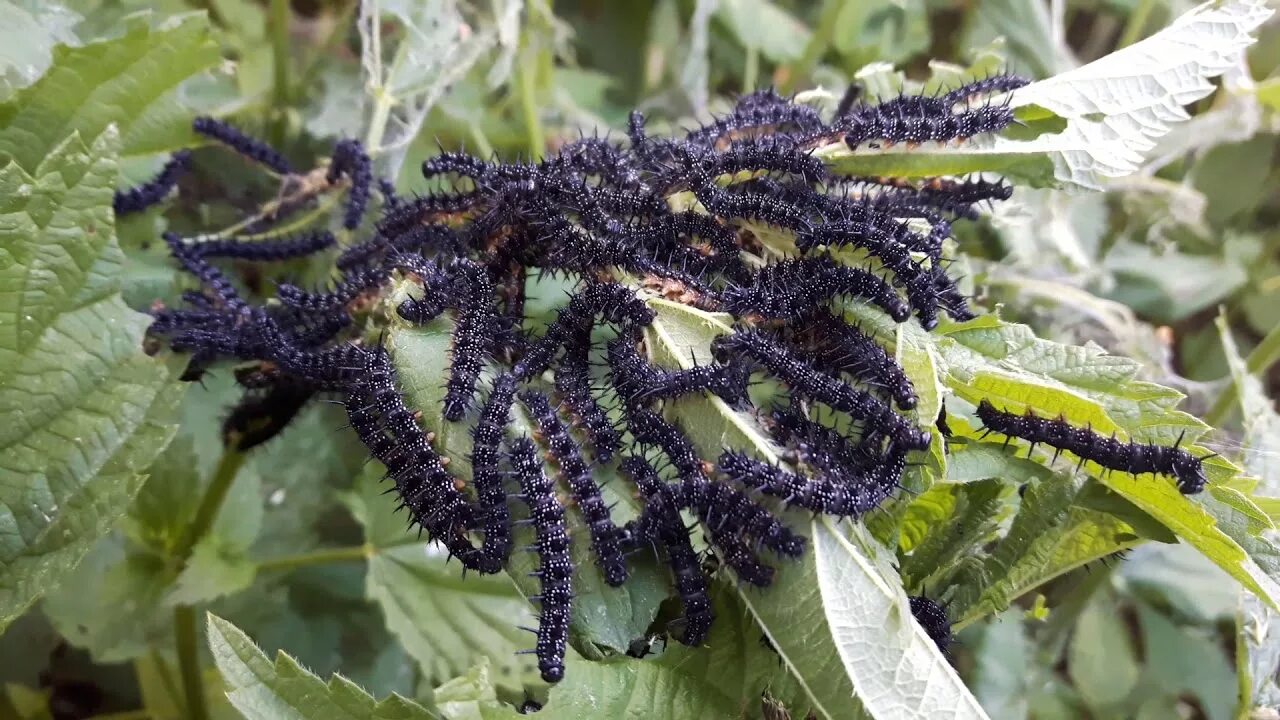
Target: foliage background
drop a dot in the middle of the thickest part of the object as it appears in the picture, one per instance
(1177, 266)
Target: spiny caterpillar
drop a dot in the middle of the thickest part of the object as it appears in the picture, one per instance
(458, 259)
(933, 620)
(1128, 457)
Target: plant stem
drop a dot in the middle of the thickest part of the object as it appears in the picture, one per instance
(751, 73)
(162, 669)
(211, 503)
(280, 62)
(187, 636)
(384, 100)
(317, 557)
(331, 555)
(483, 147)
(1263, 356)
(1136, 22)
(292, 226)
(529, 104)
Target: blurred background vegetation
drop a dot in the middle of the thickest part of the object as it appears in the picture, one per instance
(1142, 270)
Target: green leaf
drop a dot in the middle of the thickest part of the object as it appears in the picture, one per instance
(217, 567)
(1114, 109)
(1101, 658)
(1258, 416)
(974, 511)
(86, 410)
(1025, 548)
(893, 665)
(471, 697)
(284, 690)
(1183, 580)
(989, 359)
(1258, 648)
(127, 81)
(1003, 669)
(762, 25)
(28, 32)
(447, 623)
(624, 687)
(1187, 659)
(881, 30)
(733, 663)
(1026, 26)
(112, 603)
(139, 575)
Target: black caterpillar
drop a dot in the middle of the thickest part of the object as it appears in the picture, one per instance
(933, 620)
(599, 213)
(141, 197)
(1084, 443)
(556, 569)
(250, 147)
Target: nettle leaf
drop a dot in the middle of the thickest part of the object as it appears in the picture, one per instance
(446, 622)
(630, 688)
(1256, 622)
(28, 33)
(972, 516)
(762, 25)
(110, 604)
(1094, 122)
(136, 570)
(895, 669)
(1258, 416)
(86, 411)
(735, 663)
(260, 688)
(128, 81)
(1101, 657)
(1059, 525)
(1006, 363)
(1024, 549)
(470, 697)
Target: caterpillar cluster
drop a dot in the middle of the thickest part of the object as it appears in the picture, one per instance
(600, 212)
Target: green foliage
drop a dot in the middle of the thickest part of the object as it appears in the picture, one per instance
(445, 622)
(259, 688)
(128, 82)
(111, 528)
(86, 410)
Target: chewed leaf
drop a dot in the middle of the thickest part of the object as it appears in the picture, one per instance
(1114, 108)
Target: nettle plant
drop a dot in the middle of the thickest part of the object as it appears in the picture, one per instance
(728, 387)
